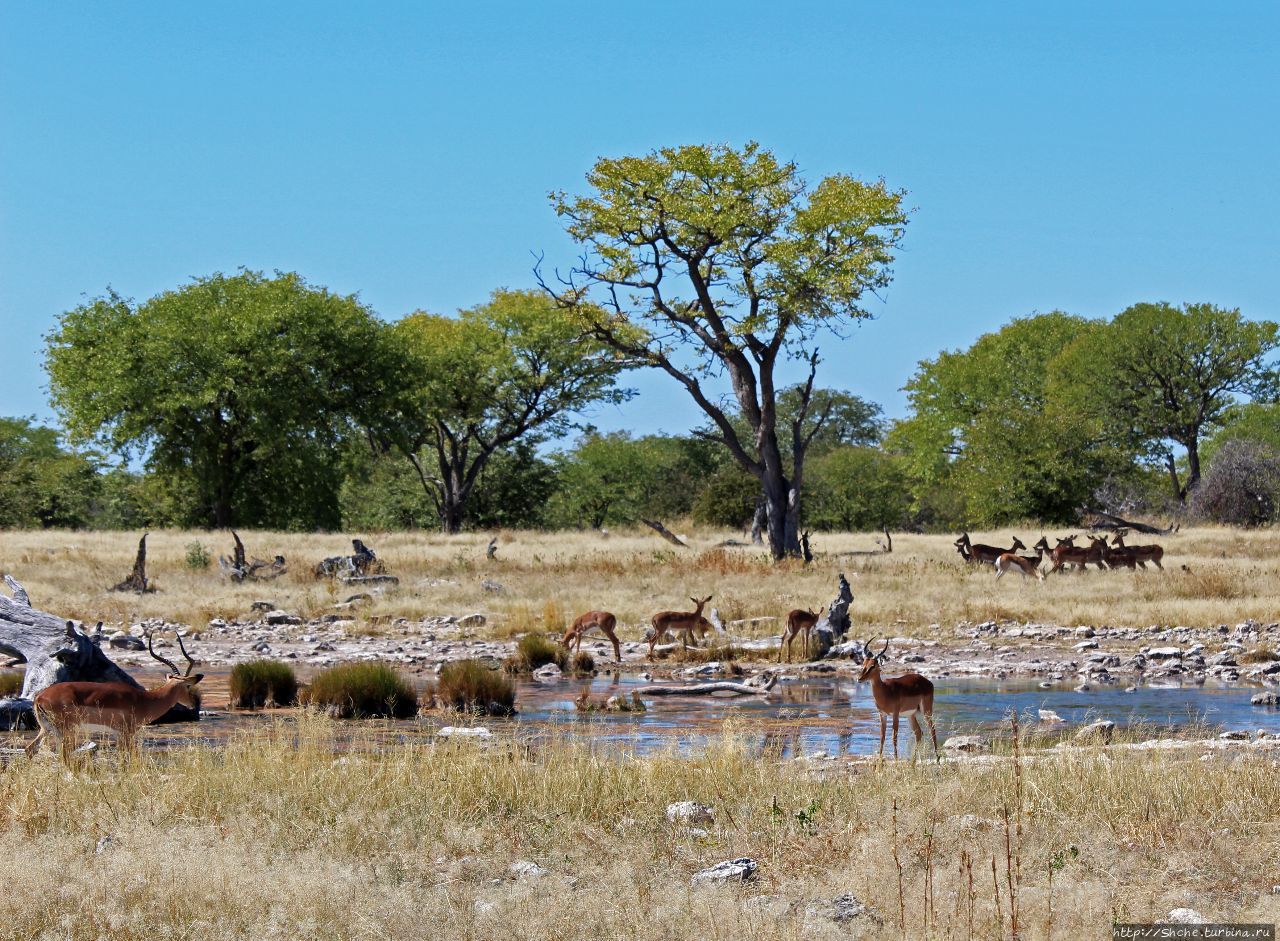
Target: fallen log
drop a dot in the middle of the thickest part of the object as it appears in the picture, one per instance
(1110, 521)
(55, 651)
(767, 682)
(665, 533)
(238, 568)
(362, 562)
(137, 579)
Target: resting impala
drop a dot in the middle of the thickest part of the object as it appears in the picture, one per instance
(910, 694)
(682, 622)
(601, 621)
(1141, 554)
(800, 620)
(116, 707)
(980, 554)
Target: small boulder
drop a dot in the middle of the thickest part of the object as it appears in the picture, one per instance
(1186, 916)
(1165, 653)
(841, 910)
(968, 743)
(122, 641)
(547, 672)
(472, 620)
(742, 869)
(1100, 731)
(1269, 698)
(455, 731)
(279, 618)
(524, 869)
(690, 812)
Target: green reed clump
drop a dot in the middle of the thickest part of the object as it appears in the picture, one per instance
(534, 651)
(363, 691)
(471, 686)
(258, 682)
(10, 683)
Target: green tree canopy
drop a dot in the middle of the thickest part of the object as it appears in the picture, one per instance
(710, 258)
(1162, 375)
(517, 368)
(42, 483)
(241, 384)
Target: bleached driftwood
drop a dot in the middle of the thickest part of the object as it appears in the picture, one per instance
(238, 568)
(54, 650)
(665, 533)
(750, 688)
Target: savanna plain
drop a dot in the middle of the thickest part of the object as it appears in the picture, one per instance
(283, 830)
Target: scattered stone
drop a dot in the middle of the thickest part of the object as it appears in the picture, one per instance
(1234, 735)
(1085, 645)
(1269, 698)
(841, 910)
(262, 606)
(473, 620)
(104, 844)
(278, 618)
(492, 587)
(1102, 730)
(968, 743)
(454, 731)
(1051, 717)
(1186, 916)
(1165, 653)
(123, 641)
(1084, 632)
(547, 673)
(690, 812)
(730, 871)
(524, 869)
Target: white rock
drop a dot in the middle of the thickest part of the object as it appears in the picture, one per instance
(1165, 653)
(524, 869)
(548, 672)
(1048, 715)
(1085, 645)
(968, 743)
(454, 731)
(472, 620)
(1186, 916)
(1101, 730)
(742, 869)
(691, 812)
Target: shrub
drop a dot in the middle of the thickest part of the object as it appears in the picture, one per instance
(363, 691)
(258, 682)
(536, 650)
(471, 686)
(1258, 655)
(10, 683)
(582, 662)
(197, 556)
(1241, 487)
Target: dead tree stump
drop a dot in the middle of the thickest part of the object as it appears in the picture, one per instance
(835, 623)
(137, 579)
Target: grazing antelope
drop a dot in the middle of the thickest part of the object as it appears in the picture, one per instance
(1026, 565)
(115, 707)
(910, 694)
(1066, 552)
(601, 621)
(1141, 554)
(980, 554)
(683, 622)
(800, 620)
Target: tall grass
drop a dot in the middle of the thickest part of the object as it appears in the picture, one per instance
(362, 691)
(10, 683)
(471, 686)
(534, 651)
(299, 831)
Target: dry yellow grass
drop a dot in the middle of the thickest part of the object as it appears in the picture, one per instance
(280, 836)
(1211, 576)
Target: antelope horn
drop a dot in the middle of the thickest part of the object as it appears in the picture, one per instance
(883, 649)
(181, 646)
(173, 667)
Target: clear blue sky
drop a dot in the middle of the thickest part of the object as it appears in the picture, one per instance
(1077, 156)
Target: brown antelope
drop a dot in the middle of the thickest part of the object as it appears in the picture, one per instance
(1026, 565)
(1066, 552)
(910, 694)
(983, 555)
(601, 621)
(115, 707)
(1119, 558)
(799, 621)
(682, 622)
(1141, 554)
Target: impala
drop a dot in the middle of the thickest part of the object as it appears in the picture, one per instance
(1119, 558)
(1141, 554)
(682, 622)
(800, 620)
(980, 554)
(601, 621)
(115, 707)
(910, 694)
(1066, 552)
(1026, 565)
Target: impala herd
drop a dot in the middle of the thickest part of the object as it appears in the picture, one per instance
(1105, 555)
(62, 708)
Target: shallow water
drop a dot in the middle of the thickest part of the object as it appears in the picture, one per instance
(838, 716)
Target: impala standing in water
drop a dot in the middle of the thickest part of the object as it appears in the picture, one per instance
(910, 694)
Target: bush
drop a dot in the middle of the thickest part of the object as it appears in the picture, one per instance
(197, 556)
(471, 686)
(257, 682)
(1241, 487)
(535, 650)
(1258, 655)
(582, 662)
(10, 683)
(363, 691)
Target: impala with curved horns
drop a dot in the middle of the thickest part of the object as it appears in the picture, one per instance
(979, 554)
(114, 707)
(909, 694)
(682, 622)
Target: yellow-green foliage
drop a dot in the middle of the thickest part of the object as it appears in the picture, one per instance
(258, 682)
(471, 686)
(10, 683)
(534, 651)
(362, 691)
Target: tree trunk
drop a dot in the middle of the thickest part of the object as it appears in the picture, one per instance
(1193, 467)
(1178, 493)
(55, 652)
(758, 521)
(451, 516)
(782, 514)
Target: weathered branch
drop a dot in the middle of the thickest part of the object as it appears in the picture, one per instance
(665, 533)
(768, 680)
(137, 579)
(1109, 521)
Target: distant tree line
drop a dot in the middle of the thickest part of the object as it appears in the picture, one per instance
(264, 400)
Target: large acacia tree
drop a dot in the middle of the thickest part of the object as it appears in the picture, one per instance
(516, 368)
(702, 260)
(238, 385)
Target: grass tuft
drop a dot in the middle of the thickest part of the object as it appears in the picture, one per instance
(471, 686)
(1258, 655)
(362, 691)
(582, 662)
(10, 683)
(258, 682)
(534, 651)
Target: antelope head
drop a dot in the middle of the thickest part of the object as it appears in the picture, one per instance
(187, 694)
(698, 604)
(871, 661)
(1017, 544)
